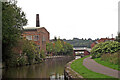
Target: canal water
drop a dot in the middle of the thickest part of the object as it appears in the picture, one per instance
(51, 68)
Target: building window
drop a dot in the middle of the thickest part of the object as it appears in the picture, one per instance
(36, 37)
(29, 37)
(43, 38)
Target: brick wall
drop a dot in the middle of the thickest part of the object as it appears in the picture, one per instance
(39, 35)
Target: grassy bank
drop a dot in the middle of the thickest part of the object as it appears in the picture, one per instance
(78, 66)
(107, 64)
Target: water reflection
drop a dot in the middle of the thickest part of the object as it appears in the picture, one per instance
(57, 76)
(51, 68)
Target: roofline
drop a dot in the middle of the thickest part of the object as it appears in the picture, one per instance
(35, 28)
(45, 29)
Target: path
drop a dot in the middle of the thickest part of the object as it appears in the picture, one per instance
(94, 66)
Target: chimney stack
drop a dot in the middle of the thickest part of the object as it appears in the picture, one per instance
(37, 20)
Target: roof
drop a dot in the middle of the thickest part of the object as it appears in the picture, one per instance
(33, 28)
(104, 39)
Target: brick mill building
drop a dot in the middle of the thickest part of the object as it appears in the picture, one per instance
(38, 34)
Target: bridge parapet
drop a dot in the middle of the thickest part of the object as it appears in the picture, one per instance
(88, 49)
(81, 51)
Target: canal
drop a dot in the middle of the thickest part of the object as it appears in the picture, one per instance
(50, 68)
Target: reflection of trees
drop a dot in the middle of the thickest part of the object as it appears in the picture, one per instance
(54, 66)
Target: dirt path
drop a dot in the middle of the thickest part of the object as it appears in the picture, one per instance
(94, 66)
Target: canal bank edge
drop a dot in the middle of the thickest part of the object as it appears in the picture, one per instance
(2, 65)
(70, 73)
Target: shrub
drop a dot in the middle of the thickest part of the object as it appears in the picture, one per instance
(30, 56)
(12, 62)
(21, 61)
(105, 47)
(42, 54)
(37, 58)
(112, 58)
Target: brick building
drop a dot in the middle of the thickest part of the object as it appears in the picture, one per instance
(101, 40)
(38, 34)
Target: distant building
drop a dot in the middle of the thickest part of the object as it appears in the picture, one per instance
(38, 34)
(101, 40)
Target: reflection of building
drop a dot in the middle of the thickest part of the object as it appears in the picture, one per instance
(101, 40)
(37, 34)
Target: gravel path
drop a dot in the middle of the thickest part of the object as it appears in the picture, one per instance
(94, 66)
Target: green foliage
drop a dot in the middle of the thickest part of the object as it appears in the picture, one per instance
(59, 47)
(49, 47)
(42, 54)
(80, 42)
(112, 58)
(30, 49)
(21, 60)
(105, 47)
(38, 58)
(30, 53)
(11, 23)
(13, 18)
(69, 49)
(12, 60)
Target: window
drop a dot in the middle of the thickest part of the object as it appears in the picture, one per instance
(43, 38)
(29, 37)
(36, 37)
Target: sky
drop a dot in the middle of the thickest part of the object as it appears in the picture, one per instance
(73, 18)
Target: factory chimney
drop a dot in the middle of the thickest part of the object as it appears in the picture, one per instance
(37, 20)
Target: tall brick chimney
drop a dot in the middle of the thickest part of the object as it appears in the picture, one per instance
(37, 20)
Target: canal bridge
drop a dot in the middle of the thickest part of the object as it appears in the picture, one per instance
(81, 51)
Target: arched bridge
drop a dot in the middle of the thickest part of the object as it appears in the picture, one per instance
(81, 51)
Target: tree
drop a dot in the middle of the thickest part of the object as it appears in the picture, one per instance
(69, 49)
(13, 19)
(89, 39)
(59, 47)
(30, 50)
(49, 47)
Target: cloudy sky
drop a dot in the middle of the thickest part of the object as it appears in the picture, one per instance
(73, 18)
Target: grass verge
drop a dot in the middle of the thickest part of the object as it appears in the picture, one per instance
(78, 66)
(107, 64)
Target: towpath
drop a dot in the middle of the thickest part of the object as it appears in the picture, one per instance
(94, 66)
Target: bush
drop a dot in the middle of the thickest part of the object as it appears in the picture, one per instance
(30, 56)
(42, 54)
(21, 61)
(12, 62)
(104, 48)
(112, 58)
(38, 59)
